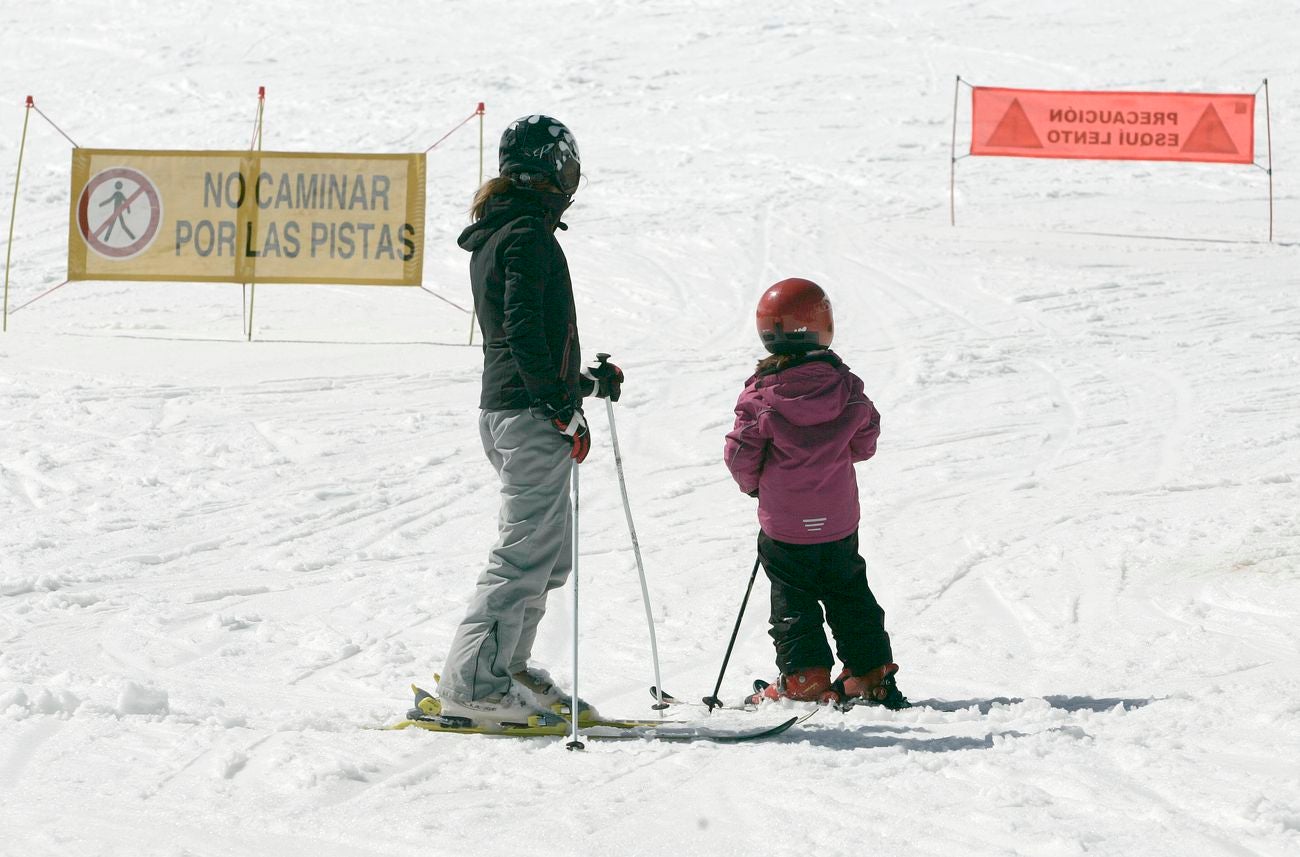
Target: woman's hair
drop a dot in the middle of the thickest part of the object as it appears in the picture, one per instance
(490, 188)
(501, 184)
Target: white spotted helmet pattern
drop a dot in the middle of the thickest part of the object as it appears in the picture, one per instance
(539, 148)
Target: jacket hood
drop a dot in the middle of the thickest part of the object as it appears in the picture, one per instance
(511, 205)
(813, 391)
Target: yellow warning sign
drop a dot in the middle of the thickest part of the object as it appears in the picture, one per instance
(246, 217)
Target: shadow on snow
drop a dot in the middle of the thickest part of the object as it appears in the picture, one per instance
(1066, 703)
(904, 736)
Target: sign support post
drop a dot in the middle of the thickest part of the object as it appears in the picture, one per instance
(13, 212)
(256, 142)
(1268, 127)
(474, 310)
(952, 177)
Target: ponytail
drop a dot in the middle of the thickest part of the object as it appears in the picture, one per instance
(490, 188)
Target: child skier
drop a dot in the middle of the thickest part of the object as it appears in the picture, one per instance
(802, 421)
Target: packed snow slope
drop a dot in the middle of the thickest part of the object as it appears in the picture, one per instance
(223, 562)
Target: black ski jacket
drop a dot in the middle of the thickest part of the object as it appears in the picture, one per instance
(524, 299)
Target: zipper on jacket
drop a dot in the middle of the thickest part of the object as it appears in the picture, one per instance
(564, 364)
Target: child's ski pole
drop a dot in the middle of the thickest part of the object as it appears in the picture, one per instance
(712, 701)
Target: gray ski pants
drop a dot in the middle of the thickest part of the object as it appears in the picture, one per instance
(532, 555)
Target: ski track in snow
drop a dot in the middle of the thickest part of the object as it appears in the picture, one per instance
(223, 563)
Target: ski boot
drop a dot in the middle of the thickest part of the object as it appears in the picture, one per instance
(807, 685)
(876, 687)
(551, 696)
(515, 706)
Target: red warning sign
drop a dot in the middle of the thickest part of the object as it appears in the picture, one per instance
(1127, 126)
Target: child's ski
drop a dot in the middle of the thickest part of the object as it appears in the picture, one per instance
(717, 704)
(760, 685)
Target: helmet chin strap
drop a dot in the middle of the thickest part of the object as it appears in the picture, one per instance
(537, 184)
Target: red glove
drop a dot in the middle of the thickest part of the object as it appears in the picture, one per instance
(568, 420)
(575, 427)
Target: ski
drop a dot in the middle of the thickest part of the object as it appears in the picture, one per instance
(600, 730)
(859, 702)
(671, 700)
(759, 686)
(427, 715)
(428, 708)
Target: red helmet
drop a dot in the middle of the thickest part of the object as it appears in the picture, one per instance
(794, 316)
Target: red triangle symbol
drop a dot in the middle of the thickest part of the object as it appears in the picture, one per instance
(1210, 135)
(1014, 131)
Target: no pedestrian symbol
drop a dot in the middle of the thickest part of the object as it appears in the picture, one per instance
(119, 213)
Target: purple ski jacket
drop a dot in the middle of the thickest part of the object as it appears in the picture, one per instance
(798, 433)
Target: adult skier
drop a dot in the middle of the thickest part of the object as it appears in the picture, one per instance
(531, 423)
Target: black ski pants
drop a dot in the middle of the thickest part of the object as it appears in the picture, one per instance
(806, 577)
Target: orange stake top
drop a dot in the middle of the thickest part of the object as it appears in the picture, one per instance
(1127, 126)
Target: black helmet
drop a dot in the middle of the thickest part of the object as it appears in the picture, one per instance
(538, 148)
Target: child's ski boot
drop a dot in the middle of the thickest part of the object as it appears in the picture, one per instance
(876, 687)
(807, 685)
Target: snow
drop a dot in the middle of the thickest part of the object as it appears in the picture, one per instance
(222, 562)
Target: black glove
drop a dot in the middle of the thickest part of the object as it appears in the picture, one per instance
(568, 420)
(602, 379)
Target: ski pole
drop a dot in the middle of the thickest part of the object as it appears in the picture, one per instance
(636, 548)
(574, 742)
(712, 701)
